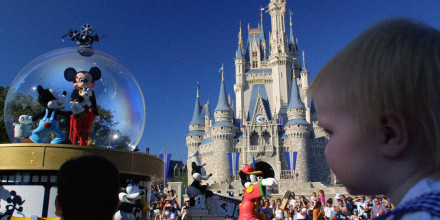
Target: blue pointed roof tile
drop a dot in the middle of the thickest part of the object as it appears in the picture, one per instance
(207, 110)
(222, 104)
(239, 54)
(295, 99)
(196, 119)
(304, 66)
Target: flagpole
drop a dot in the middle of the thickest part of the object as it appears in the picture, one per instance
(165, 166)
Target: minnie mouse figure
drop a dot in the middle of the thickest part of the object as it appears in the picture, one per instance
(83, 82)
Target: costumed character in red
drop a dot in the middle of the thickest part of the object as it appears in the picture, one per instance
(254, 190)
(83, 82)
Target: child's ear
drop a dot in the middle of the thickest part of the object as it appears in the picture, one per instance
(394, 129)
(58, 210)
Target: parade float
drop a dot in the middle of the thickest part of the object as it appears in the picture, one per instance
(49, 121)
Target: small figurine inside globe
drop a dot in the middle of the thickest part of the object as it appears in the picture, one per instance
(77, 95)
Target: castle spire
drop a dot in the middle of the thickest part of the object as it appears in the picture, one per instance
(223, 72)
(222, 103)
(208, 110)
(292, 44)
(261, 26)
(240, 50)
(295, 99)
(304, 67)
(198, 86)
(196, 120)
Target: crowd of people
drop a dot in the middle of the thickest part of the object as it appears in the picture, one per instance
(317, 207)
(164, 205)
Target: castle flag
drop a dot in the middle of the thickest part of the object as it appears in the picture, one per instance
(166, 160)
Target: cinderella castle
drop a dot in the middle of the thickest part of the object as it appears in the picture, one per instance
(273, 124)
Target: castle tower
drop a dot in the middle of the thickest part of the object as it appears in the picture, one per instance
(280, 59)
(196, 130)
(293, 51)
(222, 133)
(305, 85)
(240, 64)
(208, 120)
(297, 129)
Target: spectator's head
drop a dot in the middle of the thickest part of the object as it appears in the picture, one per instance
(88, 188)
(266, 204)
(355, 212)
(387, 82)
(329, 203)
(153, 205)
(317, 205)
(377, 201)
(292, 195)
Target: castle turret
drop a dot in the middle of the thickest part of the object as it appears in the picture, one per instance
(305, 84)
(222, 133)
(240, 65)
(196, 128)
(208, 120)
(297, 129)
(279, 58)
(263, 38)
(293, 47)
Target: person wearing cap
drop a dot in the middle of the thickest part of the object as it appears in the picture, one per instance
(254, 190)
(169, 212)
(355, 215)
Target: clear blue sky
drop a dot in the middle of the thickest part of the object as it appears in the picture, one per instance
(170, 45)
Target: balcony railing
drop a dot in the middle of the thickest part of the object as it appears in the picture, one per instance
(287, 174)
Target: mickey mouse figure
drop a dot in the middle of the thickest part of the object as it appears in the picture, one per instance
(83, 82)
(198, 174)
(53, 102)
(14, 203)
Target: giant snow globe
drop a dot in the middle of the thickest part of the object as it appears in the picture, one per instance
(117, 96)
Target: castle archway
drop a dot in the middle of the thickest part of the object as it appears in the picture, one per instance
(265, 168)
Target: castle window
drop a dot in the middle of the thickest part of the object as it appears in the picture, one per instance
(254, 139)
(254, 59)
(266, 137)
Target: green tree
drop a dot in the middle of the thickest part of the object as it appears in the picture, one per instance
(105, 133)
(3, 134)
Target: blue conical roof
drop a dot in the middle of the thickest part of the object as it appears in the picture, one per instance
(304, 66)
(222, 104)
(207, 110)
(292, 45)
(262, 35)
(239, 54)
(197, 120)
(295, 99)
